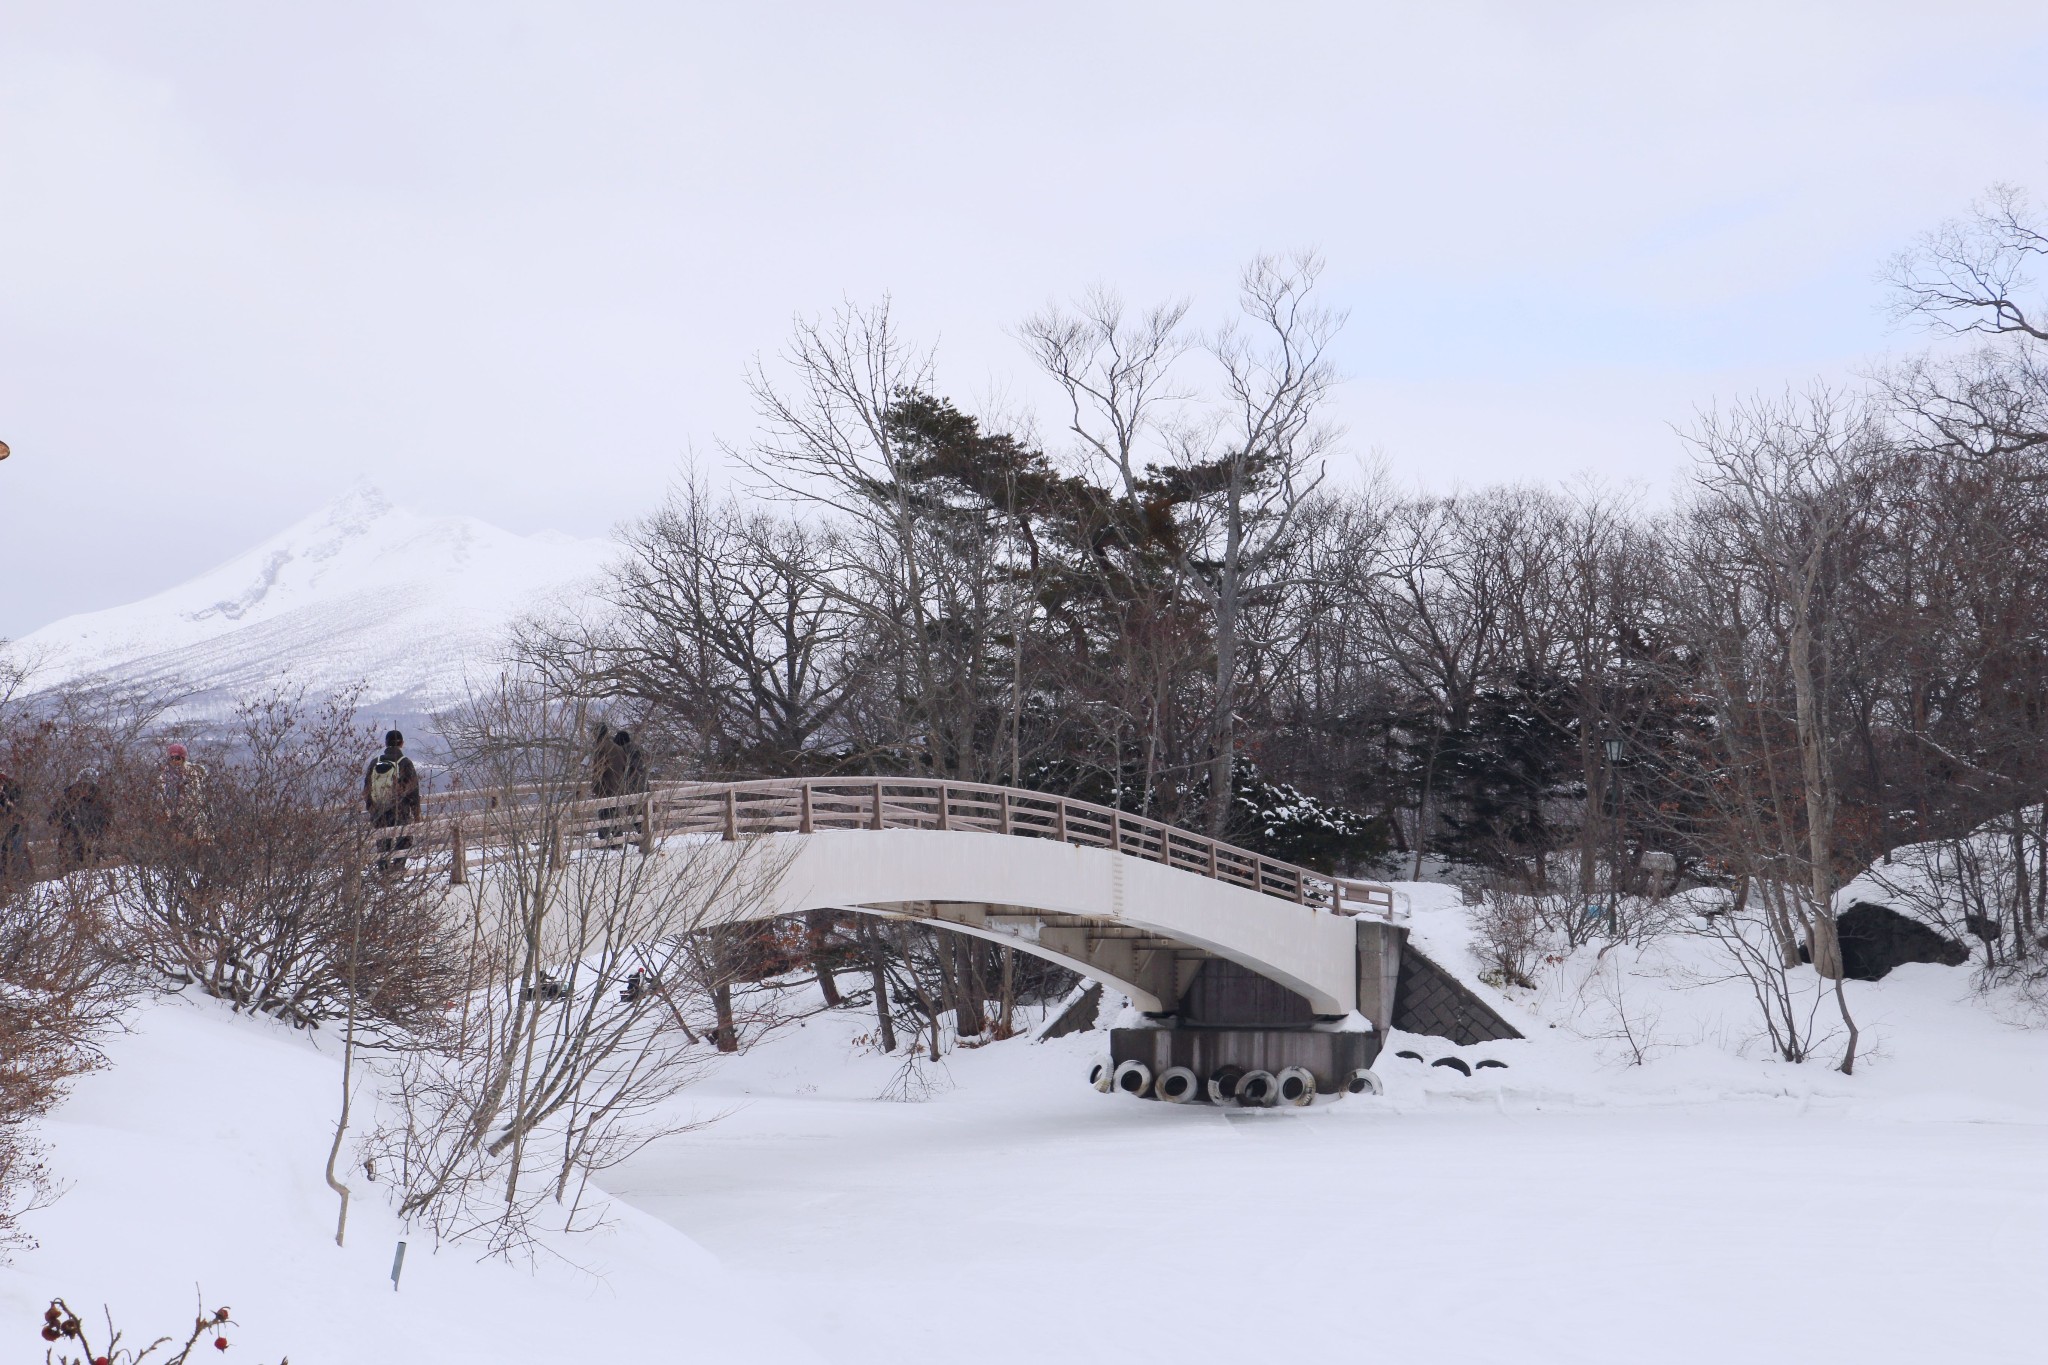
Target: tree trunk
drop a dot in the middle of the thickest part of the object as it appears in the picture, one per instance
(1822, 944)
(1589, 828)
(2023, 895)
(885, 1026)
(1223, 716)
(968, 1020)
(727, 1033)
(816, 925)
(1848, 1067)
(1006, 1026)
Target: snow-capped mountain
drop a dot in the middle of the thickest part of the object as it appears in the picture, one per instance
(362, 591)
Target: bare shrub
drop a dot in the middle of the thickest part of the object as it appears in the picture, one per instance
(257, 892)
(61, 1324)
(1619, 1019)
(584, 961)
(1788, 997)
(59, 988)
(1510, 932)
(63, 975)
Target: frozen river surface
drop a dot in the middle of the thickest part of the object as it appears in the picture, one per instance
(1020, 1216)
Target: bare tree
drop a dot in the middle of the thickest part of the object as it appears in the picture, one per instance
(1969, 275)
(1115, 371)
(726, 628)
(1254, 467)
(584, 959)
(1783, 498)
(1240, 466)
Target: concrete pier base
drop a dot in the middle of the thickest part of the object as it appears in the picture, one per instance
(1329, 1057)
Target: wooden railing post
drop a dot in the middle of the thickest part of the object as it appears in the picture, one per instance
(1212, 856)
(878, 807)
(458, 857)
(943, 823)
(732, 814)
(803, 819)
(1300, 888)
(1116, 831)
(647, 821)
(1003, 811)
(1059, 817)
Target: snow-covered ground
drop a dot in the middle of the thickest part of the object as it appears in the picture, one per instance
(196, 1160)
(362, 591)
(1709, 1205)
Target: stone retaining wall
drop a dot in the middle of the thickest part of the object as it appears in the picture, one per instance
(1430, 1000)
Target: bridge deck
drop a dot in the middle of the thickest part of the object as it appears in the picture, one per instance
(464, 825)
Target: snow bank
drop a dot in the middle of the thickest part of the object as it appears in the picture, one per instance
(1667, 1023)
(196, 1158)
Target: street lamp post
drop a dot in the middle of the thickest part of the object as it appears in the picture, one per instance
(1614, 751)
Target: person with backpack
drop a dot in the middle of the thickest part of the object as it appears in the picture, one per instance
(391, 793)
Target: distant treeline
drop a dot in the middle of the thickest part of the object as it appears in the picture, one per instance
(1831, 643)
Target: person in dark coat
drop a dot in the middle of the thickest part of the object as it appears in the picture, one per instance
(14, 859)
(633, 782)
(608, 777)
(391, 794)
(81, 816)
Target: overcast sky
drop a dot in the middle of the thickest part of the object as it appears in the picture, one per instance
(511, 259)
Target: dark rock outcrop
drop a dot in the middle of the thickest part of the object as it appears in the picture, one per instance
(1877, 938)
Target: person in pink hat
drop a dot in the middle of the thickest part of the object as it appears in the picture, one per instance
(182, 784)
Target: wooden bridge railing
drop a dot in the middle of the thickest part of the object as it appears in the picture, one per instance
(465, 825)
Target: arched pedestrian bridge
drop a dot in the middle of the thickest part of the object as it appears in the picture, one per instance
(1202, 935)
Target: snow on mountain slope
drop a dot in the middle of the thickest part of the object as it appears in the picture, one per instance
(361, 591)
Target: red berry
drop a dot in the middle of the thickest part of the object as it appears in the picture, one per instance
(50, 1334)
(220, 1343)
(102, 1360)
(220, 1315)
(51, 1314)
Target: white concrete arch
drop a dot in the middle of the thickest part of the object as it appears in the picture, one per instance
(1108, 915)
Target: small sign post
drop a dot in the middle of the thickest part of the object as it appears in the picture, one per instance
(397, 1266)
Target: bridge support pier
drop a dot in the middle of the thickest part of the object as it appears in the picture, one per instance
(1230, 1019)
(1379, 970)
